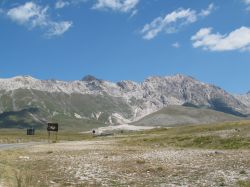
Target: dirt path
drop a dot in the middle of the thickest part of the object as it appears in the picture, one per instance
(17, 145)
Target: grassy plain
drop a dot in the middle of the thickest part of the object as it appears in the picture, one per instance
(200, 155)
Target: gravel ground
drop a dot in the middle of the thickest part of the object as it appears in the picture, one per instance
(108, 163)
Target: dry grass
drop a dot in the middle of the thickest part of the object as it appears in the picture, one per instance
(243, 183)
(149, 158)
(231, 135)
(99, 164)
(19, 136)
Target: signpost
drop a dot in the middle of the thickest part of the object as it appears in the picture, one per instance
(31, 131)
(52, 127)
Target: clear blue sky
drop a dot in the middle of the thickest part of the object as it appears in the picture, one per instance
(127, 40)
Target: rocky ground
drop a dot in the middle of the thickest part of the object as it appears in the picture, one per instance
(202, 155)
(110, 163)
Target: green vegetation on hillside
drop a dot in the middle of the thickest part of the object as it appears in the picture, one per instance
(20, 119)
(25, 108)
(229, 135)
(180, 115)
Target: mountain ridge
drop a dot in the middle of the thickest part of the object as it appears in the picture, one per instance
(25, 79)
(111, 103)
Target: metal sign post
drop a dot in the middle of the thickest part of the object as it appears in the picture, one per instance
(31, 131)
(48, 136)
(52, 127)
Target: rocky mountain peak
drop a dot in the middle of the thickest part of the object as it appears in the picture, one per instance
(23, 78)
(90, 78)
(18, 81)
(126, 100)
(153, 79)
(181, 78)
(127, 85)
(175, 78)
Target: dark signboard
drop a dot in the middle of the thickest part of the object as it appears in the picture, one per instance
(31, 131)
(52, 127)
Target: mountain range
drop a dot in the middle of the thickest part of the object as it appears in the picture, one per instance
(91, 102)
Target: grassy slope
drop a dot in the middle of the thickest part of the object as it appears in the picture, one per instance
(23, 119)
(20, 119)
(57, 107)
(176, 115)
(229, 135)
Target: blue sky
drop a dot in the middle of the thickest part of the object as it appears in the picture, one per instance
(127, 40)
